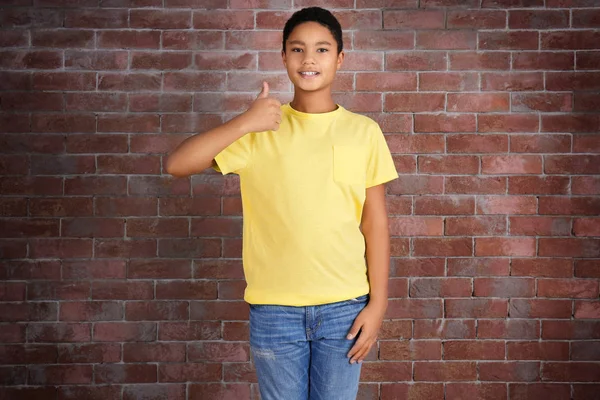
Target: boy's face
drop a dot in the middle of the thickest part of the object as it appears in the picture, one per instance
(311, 57)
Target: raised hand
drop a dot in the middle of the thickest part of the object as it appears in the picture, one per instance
(264, 114)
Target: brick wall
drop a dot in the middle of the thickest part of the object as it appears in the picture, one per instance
(120, 282)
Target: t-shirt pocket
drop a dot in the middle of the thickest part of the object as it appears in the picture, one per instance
(349, 164)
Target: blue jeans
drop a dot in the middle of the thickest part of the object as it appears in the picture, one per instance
(300, 353)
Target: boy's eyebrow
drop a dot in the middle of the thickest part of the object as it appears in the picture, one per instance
(300, 42)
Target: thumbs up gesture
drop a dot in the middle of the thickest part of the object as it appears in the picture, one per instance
(264, 114)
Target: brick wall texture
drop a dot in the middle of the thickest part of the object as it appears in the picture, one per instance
(121, 282)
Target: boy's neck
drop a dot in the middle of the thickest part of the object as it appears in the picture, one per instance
(313, 103)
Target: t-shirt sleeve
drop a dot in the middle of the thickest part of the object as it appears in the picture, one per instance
(380, 165)
(235, 157)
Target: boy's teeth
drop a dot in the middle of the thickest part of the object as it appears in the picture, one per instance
(309, 73)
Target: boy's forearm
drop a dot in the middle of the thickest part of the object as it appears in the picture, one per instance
(378, 260)
(196, 153)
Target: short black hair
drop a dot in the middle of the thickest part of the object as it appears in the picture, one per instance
(315, 14)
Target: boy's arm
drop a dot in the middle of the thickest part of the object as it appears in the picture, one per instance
(376, 231)
(196, 153)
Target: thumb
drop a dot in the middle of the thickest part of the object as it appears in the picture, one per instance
(265, 91)
(354, 330)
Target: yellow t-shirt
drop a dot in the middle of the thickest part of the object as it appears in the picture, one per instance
(303, 189)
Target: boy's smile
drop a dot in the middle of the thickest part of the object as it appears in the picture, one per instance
(311, 57)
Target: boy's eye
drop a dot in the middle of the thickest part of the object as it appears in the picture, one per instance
(297, 50)
(322, 50)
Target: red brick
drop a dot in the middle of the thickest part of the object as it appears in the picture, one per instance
(191, 331)
(586, 227)
(38, 59)
(478, 102)
(388, 81)
(418, 226)
(444, 205)
(468, 226)
(91, 311)
(446, 371)
(540, 143)
(487, 391)
(480, 61)
(528, 60)
(540, 308)
(159, 185)
(512, 40)
(216, 226)
(410, 350)
(564, 40)
(508, 329)
(89, 353)
(570, 330)
(58, 332)
(587, 309)
(28, 354)
(125, 332)
(585, 185)
(548, 391)
(131, 82)
(12, 333)
(403, 143)
(567, 288)
(538, 19)
(580, 80)
(508, 123)
(569, 247)
(195, 248)
(98, 19)
(509, 371)
(415, 60)
(412, 391)
(572, 164)
(571, 372)
(157, 227)
(545, 102)
(121, 207)
(548, 268)
(474, 350)
(587, 60)
(156, 310)
(253, 40)
(219, 310)
(587, 269)
(413, 102)
(538, 351)
(504, 287)
(189, 372)
(92, 227)
(63, 38)
(504, 246)
(477, 143)
(96, 60)
(443, 247)
(475, 185)
(477, 19)
(585, 351)
(444, 329)
(417, 267)
(448, 165)
(511, 3)
(436, 287)
(160, 19)
(202, 391)
(514, 81)
(154, 352)
(414, 308)
(60, 374)
(386, 372)
(129, 39)
(219, 352)
(186, 290)
(412, 19)
(90, 143)
(478, 267)
(89, 392)
(125, 373)
(538, 185)
(120, 248)
(451, 81)
(154, 392)
(29, 228)
(19, 101)
(63, 123)
(122, 290)
(506, 205)
(97, 185)
(446, 40)
(476, 308)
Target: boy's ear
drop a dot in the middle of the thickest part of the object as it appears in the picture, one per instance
(340, 59)
(283, 58)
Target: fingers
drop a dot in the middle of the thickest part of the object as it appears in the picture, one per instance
(265, 91)
(360, 350)
(354, 330)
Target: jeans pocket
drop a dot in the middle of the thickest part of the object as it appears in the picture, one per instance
(361, 299)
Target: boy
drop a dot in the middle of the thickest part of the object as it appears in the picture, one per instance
(312, 176)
